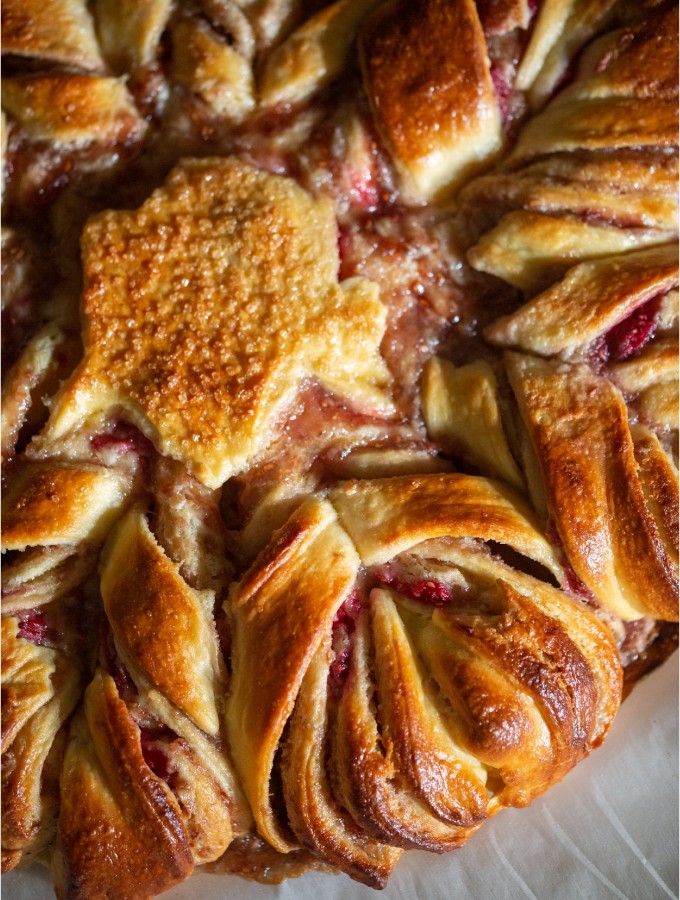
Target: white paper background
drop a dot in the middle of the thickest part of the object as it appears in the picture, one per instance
(610, 829)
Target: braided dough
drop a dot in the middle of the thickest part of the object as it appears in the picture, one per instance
(339, 422)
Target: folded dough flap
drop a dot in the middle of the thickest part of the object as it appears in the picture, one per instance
(315, 814)
(27, 670)
(312, 561)
(624, 95)
(164, 627)
(58, 31)
(493, 579)
(386, 516)
(106, 784)
(129, 32)
(39, 692)
(74, 111)
(433, 100)
(396, 767)
(462, 413)
(579, 427)
(314, 54)
(52, 502)
(530, 250)
(591, 298)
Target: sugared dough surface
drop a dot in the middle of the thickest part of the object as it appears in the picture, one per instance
(339, 424)
(207, 308)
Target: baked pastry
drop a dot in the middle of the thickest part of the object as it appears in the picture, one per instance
(340, 502)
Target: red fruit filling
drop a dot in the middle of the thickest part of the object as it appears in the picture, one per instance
(344, 624)
(34, 628)
(364, 190)
(630, 335)
(339, 666)
(111, 662)
(571, 583)
(156, 758)
(123, 438)
(503, 90)
(435, 593)
(122, 679)
(348, 613)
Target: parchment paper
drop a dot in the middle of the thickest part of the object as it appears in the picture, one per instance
(610, 829)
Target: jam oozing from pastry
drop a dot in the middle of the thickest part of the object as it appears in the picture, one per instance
(155, 756)
(122, 438)
(627, 337)
(114, 665)
(33, 627)
(503, 89)
(570, 580)
(434, 593)
(344, 624)
(630, 335)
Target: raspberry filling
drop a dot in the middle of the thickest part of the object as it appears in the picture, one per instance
(571, 583)
(364, 190)
(122, 438)
(155, 757)
(630, 335)
(434, 593)
(34, 628)
(344, 624)
(503, 90)
(122, 678)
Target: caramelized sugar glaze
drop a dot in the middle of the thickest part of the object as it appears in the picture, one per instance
(339, 422)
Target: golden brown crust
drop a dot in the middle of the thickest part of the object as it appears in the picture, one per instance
(586, 177)
(386, 516)
(659, 479)
(316, 817)
(396, 768)
(208, 370)
(60, 31)
(559, 32)
(625, 95)
(629, 189)
(51, 503)
(532, 250)
(105, 780)
(392, 718)
(398, 663)
(579, 427)
(433, 101)
(129, 31)
(590, 299)
(26, 680)
(314, 54)
(295, 564)
(461, 413)
(73, 111)
(212, 70)
(164, 625)
(40, 688)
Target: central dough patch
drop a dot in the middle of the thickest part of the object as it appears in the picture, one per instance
(207, 307)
